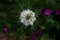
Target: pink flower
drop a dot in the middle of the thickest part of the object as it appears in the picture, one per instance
(47, 12)
(57, 12)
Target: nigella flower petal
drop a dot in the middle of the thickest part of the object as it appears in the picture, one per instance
(31, 23)
(25, 22)
(32, 13)
(47, 12)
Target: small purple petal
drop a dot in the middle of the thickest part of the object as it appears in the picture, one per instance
(47, 12)
(41, 33)
(35, 37)
(5, 30)
(38, 32)
(57, 12)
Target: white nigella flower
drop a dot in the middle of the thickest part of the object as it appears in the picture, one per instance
(27, 17)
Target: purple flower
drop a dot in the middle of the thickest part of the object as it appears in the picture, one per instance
(37, 33)
(47, 12)
(57, 12)
(5, 29)
(35, 37)
(40, 33)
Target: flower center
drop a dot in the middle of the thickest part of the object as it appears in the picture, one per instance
(28, 17)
